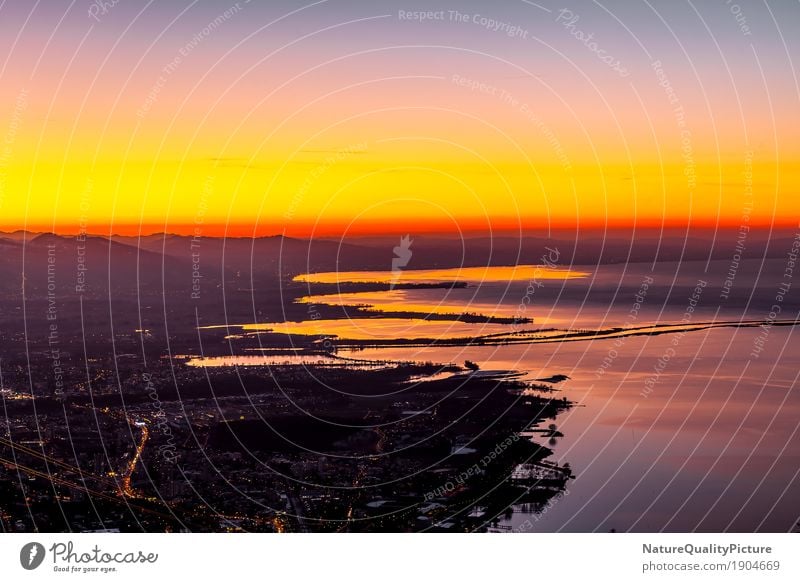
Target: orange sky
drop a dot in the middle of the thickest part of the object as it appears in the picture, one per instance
(352, 121)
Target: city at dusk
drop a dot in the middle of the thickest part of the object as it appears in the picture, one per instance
(344, 267)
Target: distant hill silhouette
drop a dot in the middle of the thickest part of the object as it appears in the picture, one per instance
(125, 264)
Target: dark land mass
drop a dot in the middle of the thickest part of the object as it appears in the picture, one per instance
(103, 427)
(279, 448)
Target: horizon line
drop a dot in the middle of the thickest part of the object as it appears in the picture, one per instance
(249, 230)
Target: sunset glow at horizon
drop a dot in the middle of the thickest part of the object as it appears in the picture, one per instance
(343, 118)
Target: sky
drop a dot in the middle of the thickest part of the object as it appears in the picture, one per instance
(333, 118)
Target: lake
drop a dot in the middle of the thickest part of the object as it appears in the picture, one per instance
(685, 431)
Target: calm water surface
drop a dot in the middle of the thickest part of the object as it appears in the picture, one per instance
(675, 432)
(713, 446)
